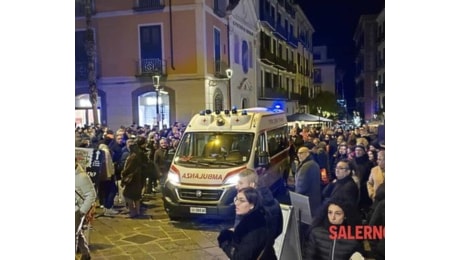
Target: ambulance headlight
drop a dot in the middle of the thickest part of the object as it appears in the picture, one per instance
(173, 178)
(232, 180)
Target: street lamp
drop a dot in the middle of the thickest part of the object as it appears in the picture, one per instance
(156, 85)
(319, 115)
(377, 96)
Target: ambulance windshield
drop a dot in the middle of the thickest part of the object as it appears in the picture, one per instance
(220, 149)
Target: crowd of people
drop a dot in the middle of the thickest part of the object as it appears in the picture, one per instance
(343, 175)
(341, 171)
(135, 163)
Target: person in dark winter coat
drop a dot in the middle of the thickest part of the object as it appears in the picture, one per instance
(343, 186)
(307, 180)
(273, 214)
(250, 238)
(322, 158)
(131, 180)
(320, 246)
(159, 160)
(378, 219)
(362, 167)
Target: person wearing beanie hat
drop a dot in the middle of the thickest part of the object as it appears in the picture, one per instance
(335, 212)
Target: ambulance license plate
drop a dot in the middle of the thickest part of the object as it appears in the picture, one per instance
(197, 210)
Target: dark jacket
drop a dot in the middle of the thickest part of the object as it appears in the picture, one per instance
(249, 239)
(378, 219)
(273, 213)
(133, 189)
(345, 188)
(321, 247)
(159, 160)
(362, 167)
(308, 182)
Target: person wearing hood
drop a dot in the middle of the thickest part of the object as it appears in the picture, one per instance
(251, 237)
(320, 246)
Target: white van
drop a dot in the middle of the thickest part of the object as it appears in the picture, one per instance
(215, 147)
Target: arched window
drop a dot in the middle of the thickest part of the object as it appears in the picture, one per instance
(84, 110)
(154, 109)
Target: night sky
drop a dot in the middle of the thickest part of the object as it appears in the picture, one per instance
(335, 22)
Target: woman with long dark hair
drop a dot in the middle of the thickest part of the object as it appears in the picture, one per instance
(321, 244)
(251, 238)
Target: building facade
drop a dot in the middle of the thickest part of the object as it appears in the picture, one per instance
(324, 71)
(370, 63)
(285, 59)
(380, 83)
(189, 45)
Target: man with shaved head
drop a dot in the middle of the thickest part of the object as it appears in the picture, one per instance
(307, 181)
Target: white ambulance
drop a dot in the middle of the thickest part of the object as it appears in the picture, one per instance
(215, 147)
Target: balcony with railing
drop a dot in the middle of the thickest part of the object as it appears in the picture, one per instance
(281, 32)
(151, 67)
(275, 93)
(267, 56)
(281, 64)
(146, 5)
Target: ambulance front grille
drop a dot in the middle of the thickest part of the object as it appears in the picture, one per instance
(200, 195)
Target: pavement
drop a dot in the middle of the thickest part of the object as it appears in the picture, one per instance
(153, 236)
